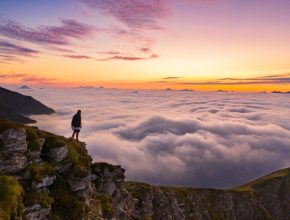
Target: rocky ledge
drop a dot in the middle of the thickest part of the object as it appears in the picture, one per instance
(45, 176)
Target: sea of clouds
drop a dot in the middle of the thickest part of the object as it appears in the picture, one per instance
(201, 139)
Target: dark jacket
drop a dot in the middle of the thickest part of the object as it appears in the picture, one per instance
(76, 121)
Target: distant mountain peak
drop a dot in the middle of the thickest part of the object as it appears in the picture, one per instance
(24, 87)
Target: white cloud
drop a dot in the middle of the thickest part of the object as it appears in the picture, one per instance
(176, 138)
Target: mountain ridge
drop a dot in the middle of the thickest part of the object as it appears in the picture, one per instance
(15, 107)
(52, 177)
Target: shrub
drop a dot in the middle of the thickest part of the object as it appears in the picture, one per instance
(32, 139)
(41, 198)
(11, 192)
(80, 158)
(106, 204)
(39, 171)
(66, 205)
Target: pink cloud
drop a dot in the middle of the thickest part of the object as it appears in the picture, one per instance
(137, 14)
(27, 78)
(77, 56)
(52, 35)
(129, 58)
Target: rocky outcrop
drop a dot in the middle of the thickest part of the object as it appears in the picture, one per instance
(33, 155)
(108, 177)
(58, 154)
(51, 177)
(13, 150)
(36, 212)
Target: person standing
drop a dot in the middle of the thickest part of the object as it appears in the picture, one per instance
(76, 124)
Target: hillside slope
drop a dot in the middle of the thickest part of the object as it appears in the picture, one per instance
(45, 176)
(15, 107)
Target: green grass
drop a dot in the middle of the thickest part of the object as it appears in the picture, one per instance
(77, 153)
(250, 187)
(39, 171)
(52, 140)
(214, 215)
(182, 195)
(137, 189)
(66, 206)
(80, 158)
(41, 198)
(32, 139)
(5, 124)
(11, 193)
(106, 205)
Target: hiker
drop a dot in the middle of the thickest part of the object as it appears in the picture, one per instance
(76, 124)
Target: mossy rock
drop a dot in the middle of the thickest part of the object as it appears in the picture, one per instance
(77, 152)
(11, 193)
(214, 215)
(66, 206)
(106, 205)
(137, 189)
(80, 158)
(5, 124)
(32, 139)
(102, 166)
(52, 140)
(35, 197)
(39, 171)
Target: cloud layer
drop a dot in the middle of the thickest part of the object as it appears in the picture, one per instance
(178, 138)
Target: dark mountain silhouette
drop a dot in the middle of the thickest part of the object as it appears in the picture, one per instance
(24, 87)
(15, 107)
(6, 113)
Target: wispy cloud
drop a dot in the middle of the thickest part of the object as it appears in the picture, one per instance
(110, 52)
(12, 52)
(173, 77)
(52, 35)
(129, 58)
(12, 48)
(26, 78)
(145, 50)
(77, 56)
(137, 14)
(273, 79)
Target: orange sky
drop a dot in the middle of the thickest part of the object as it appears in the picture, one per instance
(180, 45)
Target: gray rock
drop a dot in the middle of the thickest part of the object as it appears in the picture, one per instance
(80, 184)
(109, 188)
(34, 156)
(13, 151)
(58, 154)
(64, 166)
(46, 181)
(37, 212)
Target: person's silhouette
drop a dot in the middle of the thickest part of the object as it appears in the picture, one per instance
(76, 124)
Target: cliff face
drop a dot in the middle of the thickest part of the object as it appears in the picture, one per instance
(44, 176)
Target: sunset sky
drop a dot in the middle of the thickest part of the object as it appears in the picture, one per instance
(151, 44)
